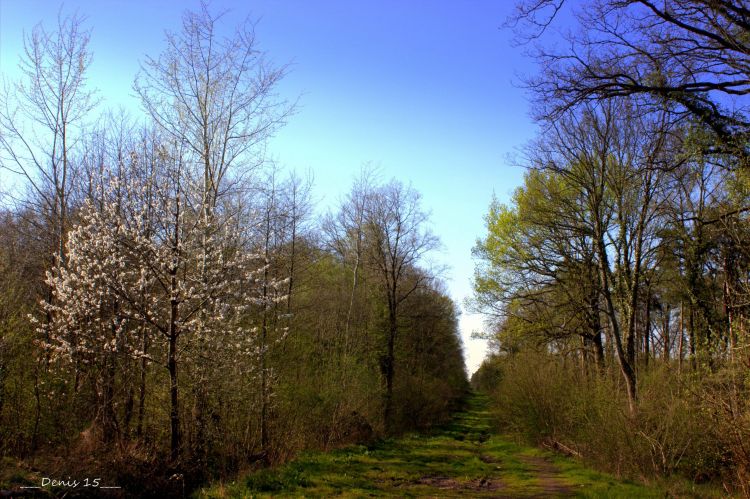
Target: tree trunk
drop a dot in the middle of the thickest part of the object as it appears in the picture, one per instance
(174, 408)
(129, 403)
(142, 386)
(691, 334)
(263, 343)
(599, 351)
(647, 329)
(388, 369)
(625, 366)
(681, 338)
(172, 335)
(665, 332)
(109, 424)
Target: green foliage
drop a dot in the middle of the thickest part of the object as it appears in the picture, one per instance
(488, 376)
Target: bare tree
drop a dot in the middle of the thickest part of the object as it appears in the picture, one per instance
(41, 116)
(692, 55)
(397, 240)
(617, 172)
(216, 95)
(297, 207)
(345, 234)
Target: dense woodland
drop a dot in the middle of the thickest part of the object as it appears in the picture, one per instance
(618, 275)
(171, 303)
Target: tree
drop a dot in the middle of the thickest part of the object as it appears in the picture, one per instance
(583, 237)
(40, 119)
(138, 259)
(216, 95)
(617, 168)
(345, 235)
(691, 55)
(539, 255)
(398, 239)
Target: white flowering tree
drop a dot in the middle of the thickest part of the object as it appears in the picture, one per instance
(144, 257)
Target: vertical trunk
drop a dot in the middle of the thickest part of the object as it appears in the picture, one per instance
(199, 392)
(624, 358)
(388, 369)
(263, 342)
(144, 340)
(129, 403)
(142, 385)
(638, 335)
(599, 351)
(609, 351)
(728, 296)
(691, 333)
(174, 415)
(665, 332)
(630, 339)
(263, 389)
(586, 345)
(647, 329)
(297, 215)
(292, 257)
(681, 338)
(172, 335)
(595, 325)
(109, 423)
(61, 192)
(355, 276)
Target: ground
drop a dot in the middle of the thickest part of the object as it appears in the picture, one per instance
(464, 459)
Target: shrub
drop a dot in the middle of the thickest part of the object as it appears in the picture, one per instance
(695, 426)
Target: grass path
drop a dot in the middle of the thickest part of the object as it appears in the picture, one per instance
(463, 459)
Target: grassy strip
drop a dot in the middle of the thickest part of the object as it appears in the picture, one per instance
(464, 458)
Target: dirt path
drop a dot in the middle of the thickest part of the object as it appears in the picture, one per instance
(463, 459)
(548, 476)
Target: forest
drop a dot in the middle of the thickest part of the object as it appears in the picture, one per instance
(617, 276)
(172, 306)
(180, 316)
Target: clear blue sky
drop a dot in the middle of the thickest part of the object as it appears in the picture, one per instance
(423, 89)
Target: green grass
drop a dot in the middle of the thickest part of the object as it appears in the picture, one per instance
(465, 458)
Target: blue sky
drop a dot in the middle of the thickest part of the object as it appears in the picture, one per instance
(422, 89)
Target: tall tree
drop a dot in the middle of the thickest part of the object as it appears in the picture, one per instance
(41, 117)
(398, 239)
(539, 255)
(215, 94)
(692, 54)
(345, 236)
(593, 203)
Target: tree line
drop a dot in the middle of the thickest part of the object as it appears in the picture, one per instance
(169, 300)
(620, 267)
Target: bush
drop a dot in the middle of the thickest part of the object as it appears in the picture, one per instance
(696, 427)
